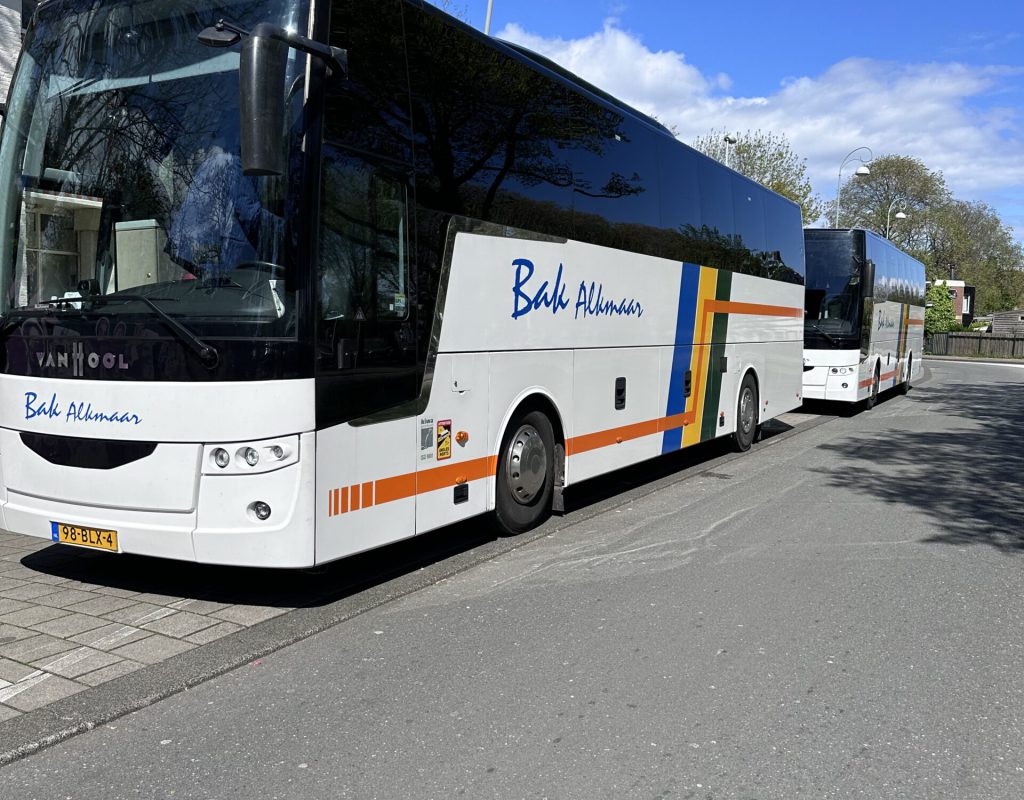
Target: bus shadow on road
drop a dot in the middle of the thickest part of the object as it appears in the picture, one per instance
(967, 477)
(280, 588)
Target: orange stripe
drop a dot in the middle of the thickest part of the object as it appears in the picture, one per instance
(443, 477)
(886, 376)
(344, 500)
(397, 488)
(367, 494)
(592, 441)
(353, 495)
(335, 509)
(755, 309)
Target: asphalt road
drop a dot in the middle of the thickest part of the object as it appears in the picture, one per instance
(835, 615)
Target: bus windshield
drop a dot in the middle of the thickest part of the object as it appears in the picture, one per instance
(120, 169)
(832, 298)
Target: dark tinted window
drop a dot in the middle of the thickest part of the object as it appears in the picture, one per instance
(615, 179)
(489, 131)
(784, 239)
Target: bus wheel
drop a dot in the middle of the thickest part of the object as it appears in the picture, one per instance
(905, 386)
(873, 397)
(746, 415)
(526, 473)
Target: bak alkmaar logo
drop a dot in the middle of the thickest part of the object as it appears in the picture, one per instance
(529, 295)
(79, 360)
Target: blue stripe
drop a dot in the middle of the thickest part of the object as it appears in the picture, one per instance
(686, 318)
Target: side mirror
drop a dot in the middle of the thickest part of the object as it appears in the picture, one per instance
(262, 68)
(867, 281)
(262, 71)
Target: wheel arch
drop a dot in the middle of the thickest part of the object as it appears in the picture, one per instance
(533, 399)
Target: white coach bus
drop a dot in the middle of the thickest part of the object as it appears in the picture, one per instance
(286, 281)
(864, 316)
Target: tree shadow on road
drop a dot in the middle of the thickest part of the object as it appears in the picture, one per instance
(966, 474)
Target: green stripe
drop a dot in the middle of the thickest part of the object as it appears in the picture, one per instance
(713, 388)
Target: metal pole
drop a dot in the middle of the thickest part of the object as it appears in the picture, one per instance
(487, 23)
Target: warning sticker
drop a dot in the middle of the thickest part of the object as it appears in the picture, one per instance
(444, 439)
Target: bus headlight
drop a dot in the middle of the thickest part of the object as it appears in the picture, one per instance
(246, 458)
(261, 510)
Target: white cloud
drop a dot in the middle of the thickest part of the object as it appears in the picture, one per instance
(946, 114)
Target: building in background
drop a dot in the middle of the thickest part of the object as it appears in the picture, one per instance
(962, 296)
(1009, 323)
(14, 17)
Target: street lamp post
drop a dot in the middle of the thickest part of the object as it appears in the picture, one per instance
(487, 23)
(899, 215)
(861, 170)
(730, 140)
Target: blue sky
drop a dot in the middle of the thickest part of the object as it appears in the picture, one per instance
(940, 81)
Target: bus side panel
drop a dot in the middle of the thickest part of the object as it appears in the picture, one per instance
(608, 438)
(769, 312)
(455, 462)
(365, 486)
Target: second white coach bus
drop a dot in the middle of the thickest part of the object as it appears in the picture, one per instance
(864, 316)
(285, 281)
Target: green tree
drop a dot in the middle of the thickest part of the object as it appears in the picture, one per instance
(768, 159)
(896, 183)
(938, 315)
(969, 242)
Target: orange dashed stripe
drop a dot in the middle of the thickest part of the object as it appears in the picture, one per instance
(400, 487)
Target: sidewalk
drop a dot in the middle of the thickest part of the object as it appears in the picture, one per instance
(71, 619)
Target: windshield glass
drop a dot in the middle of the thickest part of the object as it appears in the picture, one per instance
(120, 171)
(832, 299)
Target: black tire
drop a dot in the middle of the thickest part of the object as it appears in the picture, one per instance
(525, 474)
(746, 415)
(905, 386)
(873, 397)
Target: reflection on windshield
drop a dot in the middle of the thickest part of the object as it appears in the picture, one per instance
(832, 296)
(120, 169)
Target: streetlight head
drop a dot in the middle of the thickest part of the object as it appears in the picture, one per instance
(729, 139)
(862, 170)
(900, 215)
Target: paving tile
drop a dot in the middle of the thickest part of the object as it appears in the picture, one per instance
(70, 625)
(110, 636)
(77, 662)
(12, 671)
(152, 649)
(12, 633)
(201, 606)
(114, 591)
(249, 615)
(180, 625)
(7, 606)
(11, 583)
(109, 673)
(35, 647)
(139, 614)
(6, 712)
(218, 631)
(27, 591)
(38, 691)
(33, 615)
(159, 599)
(103, 605)
(21, 572)
(66, 597)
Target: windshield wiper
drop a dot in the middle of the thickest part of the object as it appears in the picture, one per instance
(207, 353)
(832, 339)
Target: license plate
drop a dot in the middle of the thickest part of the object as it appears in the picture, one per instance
(84, 537)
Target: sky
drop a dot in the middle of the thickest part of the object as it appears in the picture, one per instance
(940, 81)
